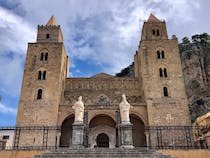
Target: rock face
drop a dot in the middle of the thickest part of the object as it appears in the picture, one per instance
(195, 59)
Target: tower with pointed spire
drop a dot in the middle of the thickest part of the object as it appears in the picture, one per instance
(158, 65)
(51, 32)
(46, 68)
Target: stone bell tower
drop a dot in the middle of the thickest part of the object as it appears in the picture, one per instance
(158, 64)
(46, 68)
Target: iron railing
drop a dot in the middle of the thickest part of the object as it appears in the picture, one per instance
(157, 137)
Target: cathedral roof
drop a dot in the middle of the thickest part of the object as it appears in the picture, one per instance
(153, 18)
(52, 22)
(102, 75)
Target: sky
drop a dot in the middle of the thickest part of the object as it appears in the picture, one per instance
(99, 35)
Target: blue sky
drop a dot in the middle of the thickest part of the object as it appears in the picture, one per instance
(99, 36)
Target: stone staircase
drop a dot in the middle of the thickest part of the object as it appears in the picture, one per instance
(103, 153)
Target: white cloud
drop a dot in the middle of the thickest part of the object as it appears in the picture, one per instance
(7, 110)
(15, 32)
(113, 25)
(11, 74)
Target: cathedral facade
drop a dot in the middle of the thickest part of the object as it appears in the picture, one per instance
(156, 93)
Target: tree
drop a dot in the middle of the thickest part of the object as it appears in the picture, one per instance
(185, 40)
(201, 38)
(196, 38)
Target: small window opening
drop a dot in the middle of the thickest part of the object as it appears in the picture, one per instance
(163, 55)
(165, 72)
(46, 56)
(157, 32)
(5, 137)
(44, 75)
(161, 72)
(158, 54)
(153, 32)
(42, 56)
(165, 91)
(39, 75)
(39, 94)
(47, 35)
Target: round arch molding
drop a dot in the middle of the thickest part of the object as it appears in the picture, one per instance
(94, 114)
(99, 124)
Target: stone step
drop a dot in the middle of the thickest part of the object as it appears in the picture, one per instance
(103, 153)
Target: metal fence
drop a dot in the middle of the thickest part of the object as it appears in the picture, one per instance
(157, 137)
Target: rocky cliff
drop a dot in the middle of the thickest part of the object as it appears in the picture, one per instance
(195, 58)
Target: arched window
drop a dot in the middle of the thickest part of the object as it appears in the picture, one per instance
(39, 94)
(161, 72)
(157, 32)
(44, 75)
(165, 91)
(153, 32)
(165, 72)
(42, 56)
(46, 56)
(39, 75)
(158, 54)
(163, 55)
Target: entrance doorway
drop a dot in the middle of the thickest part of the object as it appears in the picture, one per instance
(102, 131)
(102, 140)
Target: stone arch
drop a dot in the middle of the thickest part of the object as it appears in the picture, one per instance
(64, 115)
(102, 124)
(66, 131)
(96, 113)
(138, 131)
(140, 116)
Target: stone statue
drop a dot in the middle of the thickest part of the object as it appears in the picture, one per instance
(124, 110)
(78, 111)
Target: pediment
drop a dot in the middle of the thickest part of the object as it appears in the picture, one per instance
(102, 75)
